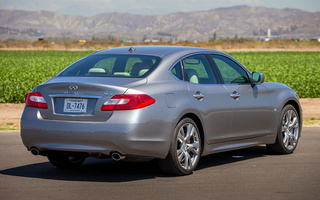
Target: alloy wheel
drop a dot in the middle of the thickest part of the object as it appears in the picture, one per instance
(290, 129)
(188, 151)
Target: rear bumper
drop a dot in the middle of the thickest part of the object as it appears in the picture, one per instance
(127, 132)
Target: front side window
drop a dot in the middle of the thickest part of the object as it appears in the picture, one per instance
(113, 66)
(231, 72)
(198, 70)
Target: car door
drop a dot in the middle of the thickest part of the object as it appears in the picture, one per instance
(251, 110)
(210, 98)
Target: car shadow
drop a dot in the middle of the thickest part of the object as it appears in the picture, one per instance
(232, 156)
(107, 170)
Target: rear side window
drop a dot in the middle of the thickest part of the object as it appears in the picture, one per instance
(133, 66)
(198, 70)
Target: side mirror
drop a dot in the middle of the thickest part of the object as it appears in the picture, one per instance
(257, 78)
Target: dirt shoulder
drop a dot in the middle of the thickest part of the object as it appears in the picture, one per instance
(10, 114)
(311, 111)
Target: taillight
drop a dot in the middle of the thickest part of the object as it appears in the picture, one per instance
(35, 99)
(127, 102)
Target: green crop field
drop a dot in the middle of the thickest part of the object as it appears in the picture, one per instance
(21, 71)
(298, 70)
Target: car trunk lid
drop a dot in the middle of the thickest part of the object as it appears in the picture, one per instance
(81, 98)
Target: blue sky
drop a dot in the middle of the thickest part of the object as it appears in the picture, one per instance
(147, 7)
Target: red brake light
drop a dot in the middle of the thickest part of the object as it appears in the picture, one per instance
(127, 102)
(35, 99)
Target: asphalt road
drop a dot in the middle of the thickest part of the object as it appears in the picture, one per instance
(250, 173)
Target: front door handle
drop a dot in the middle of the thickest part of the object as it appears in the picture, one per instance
(198, 95)
(235, 95)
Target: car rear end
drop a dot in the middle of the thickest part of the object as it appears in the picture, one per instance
(90, 108)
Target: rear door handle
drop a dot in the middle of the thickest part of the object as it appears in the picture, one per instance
(198, 95)
(235, 95)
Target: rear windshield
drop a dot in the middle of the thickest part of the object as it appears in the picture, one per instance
(113, 66)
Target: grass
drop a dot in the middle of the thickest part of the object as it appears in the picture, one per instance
(298, 70)
(21, 71)
(311, 121)
(9, 126)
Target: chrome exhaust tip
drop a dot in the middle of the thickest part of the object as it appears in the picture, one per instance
(35, 151)
(117, 156)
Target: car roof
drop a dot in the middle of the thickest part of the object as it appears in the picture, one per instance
(159, 51)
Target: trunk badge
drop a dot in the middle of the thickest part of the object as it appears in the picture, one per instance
(73, 87)
(108, 93)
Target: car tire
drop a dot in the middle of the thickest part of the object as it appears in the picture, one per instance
(185, 149)
(288, 132)
(65, 161)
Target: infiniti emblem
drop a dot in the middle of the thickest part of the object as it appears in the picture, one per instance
(73, 87)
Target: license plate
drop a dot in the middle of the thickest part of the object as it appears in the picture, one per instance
(75, 105)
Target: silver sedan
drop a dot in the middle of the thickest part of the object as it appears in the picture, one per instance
(173, 104)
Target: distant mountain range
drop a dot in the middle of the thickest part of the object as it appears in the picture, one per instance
(238, 21)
